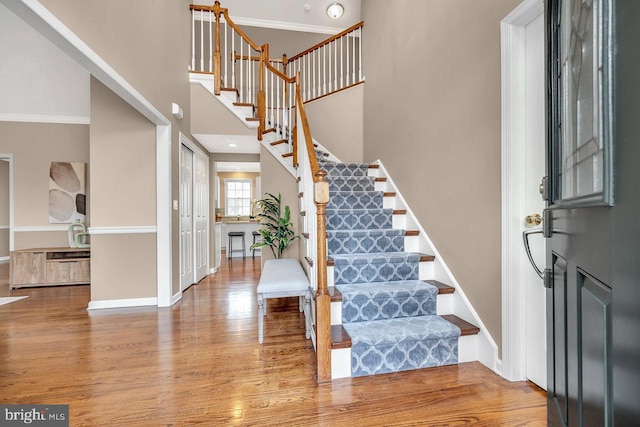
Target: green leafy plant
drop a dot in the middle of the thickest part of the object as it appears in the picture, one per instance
(277, 228)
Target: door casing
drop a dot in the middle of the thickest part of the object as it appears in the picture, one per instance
(512, 29)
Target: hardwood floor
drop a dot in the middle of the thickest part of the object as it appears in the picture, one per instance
(199, 363)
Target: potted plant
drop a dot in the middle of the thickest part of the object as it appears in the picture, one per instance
(277, 228)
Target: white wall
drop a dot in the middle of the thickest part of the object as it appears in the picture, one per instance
(36, 78)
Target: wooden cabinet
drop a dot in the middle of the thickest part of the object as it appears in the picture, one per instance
(49, 267)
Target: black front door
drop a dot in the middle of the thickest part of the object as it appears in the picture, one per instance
(593, 218)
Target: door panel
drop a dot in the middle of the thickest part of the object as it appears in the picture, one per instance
(186, 218)
(201, 216)
(595, 355)
(593, 243)
(557, 381)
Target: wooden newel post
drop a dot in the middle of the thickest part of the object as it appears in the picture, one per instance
(285, 61)
(262, 113)
(323, 299)
(217, 57)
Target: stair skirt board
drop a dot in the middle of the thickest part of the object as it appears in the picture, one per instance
(389, 312)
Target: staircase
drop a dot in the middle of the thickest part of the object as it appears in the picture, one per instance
(384, 307)
(380, 307)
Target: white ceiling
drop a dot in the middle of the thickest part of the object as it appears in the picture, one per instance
(275, 13)
(238, 166)
(244, 144)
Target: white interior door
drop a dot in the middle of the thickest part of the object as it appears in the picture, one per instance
(201, 216)
(187, 277)
(535, 137)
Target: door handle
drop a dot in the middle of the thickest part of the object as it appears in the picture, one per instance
(527, 249)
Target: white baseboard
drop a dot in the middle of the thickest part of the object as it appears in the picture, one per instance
(122, 303)
(177, 297)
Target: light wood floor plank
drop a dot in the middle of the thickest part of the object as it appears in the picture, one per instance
(199, 363)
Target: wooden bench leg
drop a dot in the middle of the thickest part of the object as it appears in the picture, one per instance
(307, 314)
(260, 318)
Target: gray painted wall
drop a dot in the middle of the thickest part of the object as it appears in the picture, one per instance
(432, 115)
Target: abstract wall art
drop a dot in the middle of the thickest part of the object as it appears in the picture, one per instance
(67, 194)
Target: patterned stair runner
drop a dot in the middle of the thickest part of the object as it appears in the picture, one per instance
(388, 312)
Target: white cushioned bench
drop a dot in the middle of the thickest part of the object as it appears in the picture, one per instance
(283, 278)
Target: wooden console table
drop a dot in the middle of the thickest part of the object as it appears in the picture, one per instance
(49, 267)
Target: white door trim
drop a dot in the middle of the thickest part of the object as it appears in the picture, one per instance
(9, 158)
(47, 24)
(512, 32)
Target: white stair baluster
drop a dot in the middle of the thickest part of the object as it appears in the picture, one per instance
(211, 48)
(341, 63)
(193, 40)
(271, 94)
(201, 43)
(335, 64)
(233, 61)
(360, 55)
(241, 85)
(226, 54)
(353, 64)
(324, 69)
(346, 79)
(313, 70)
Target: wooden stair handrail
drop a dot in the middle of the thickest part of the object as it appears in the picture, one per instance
(225, 12)
(327, 41)
(313, 159)
(321, 198)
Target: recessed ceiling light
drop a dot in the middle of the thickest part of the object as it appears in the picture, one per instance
(335, 10)
(232, 145)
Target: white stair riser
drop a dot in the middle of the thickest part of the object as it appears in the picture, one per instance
(468, 348)
(340, 363)
(445, 304)
(336, 312)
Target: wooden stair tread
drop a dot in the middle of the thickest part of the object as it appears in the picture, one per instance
(426, 257)
(400, 212)
(278, 142)
(339, 338)
(252, 119)
(466, 328)
(411, 233)
(442, 288)
(335, 294)
(229, 89)
(389, 194)
(243, 104)
(285, 155)
(380, 179)
(268, 130)
(374, 166)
